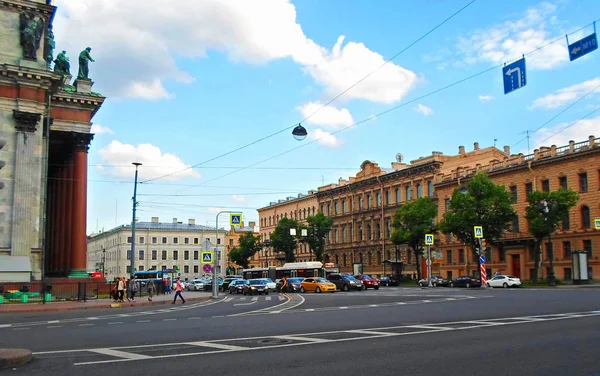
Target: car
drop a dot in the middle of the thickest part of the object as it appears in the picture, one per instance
(228, 280)
(387, 280)
(465, 281)
(237, 286)
(195, 285)
(436, 280)
(255, 286)
(270, 284)
(318, 285)
(345, 282)
(293, 284)
(368, 281)
(505, 281)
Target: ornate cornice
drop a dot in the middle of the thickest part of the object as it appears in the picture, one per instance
(81, 141)
(26, 121)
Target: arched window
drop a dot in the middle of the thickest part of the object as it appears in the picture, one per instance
(369, 259)
(327, 258)
(377, 231)
(430, 188)
(378, 198)
(337, 260)
(378, 261)
(419, 191)
(344, 206)
(368, 201)
(369, 232)
(345, 259)
(398, 195)
(387, 197)
(360, 232)
(408, 193)
(360, 203)
(585, 217)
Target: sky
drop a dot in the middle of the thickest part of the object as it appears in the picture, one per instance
(189, 84)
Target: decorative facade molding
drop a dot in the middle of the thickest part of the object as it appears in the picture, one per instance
(81, 141)
(26, 121)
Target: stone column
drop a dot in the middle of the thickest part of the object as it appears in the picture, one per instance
(69, 205)
(27, 183)
(62, 222)
(79, 201)
(56, 213)
(50, 193)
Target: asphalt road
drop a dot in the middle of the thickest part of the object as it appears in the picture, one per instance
(390, 331)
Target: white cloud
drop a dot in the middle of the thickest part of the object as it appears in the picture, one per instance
(507, 41)
(238, 198)
(215, 210)
(424, 109)
(566, 95)
(136, 55)
(325, 138)
(486, 98)
(98, 129)
(328, 115)
(154, 162)
(559, 137)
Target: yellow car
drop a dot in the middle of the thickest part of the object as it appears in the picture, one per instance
(317, 285)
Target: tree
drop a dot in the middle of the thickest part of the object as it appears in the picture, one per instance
(248, 245)
(318, 228)
(545, 212)
(282, 241)
(411, 222)
(482, 203)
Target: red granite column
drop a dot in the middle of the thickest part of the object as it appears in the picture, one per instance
(60, 224)
(79, 202)
(49, 222)
(70, 183)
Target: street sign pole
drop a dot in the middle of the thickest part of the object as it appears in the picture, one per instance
(215, 282)
(429, 266)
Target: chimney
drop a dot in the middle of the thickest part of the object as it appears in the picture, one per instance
(191, 221)
(174, 220)
(507, 150)
(461, 150)
(154, 219)
(476, 145)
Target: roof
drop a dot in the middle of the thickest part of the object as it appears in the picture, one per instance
(243, 229)
(158, 226)
(15, 264)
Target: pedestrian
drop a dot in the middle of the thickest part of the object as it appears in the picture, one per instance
(133, 288)
(284, 284)
(178, 289)
(151, 287)
(121, 288)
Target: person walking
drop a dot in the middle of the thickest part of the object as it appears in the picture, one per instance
(178, 289)
(284, 284)
(151, 287)
(121, 289)
(133, 288)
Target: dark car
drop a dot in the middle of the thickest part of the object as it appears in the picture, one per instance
(345, 282)
(368, 281)
(436, 280)
(293, 284)
(228, 280)
(465, 281)
(237, 286)
(388, 281)
(256, 286)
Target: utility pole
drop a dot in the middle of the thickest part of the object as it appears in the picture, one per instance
(132, 263)
(528, 136)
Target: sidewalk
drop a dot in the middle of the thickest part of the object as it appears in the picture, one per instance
(99, 303)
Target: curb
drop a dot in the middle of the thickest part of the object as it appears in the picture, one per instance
(52, 307)
(14, 357)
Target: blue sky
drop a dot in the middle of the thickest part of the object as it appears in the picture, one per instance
(188, 81)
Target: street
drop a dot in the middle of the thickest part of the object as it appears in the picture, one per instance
(390, 331)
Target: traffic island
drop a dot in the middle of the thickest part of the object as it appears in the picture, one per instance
(14, 357)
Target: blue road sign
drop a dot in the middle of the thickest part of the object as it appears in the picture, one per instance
(207, 257)
(583, 46)
(514, 76)
(235, 219)
(482, 259)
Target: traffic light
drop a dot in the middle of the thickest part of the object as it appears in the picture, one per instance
(2, 161)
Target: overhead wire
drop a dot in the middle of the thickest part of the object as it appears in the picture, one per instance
(326, 104)
(568, 126)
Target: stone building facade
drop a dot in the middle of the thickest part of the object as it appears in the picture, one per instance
(575, 166)
(44, 138)
(298, 208)
(159, 246)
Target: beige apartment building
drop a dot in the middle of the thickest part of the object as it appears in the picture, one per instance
(159, 245)
(298, 208)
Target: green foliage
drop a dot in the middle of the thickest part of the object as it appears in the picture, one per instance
(282, 241)
(543, 224)
(248, 245)
(411, 222)
(484, 204)
(318, 228)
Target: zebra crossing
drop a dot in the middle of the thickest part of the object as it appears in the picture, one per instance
(253, 298)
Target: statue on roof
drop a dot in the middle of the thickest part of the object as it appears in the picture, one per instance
(61, 64)
(31, 29)
(49, 45)
(84, 59)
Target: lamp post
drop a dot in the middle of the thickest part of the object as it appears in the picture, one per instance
(103, 262)
(299, 132)
(132, 263)
(545, 206)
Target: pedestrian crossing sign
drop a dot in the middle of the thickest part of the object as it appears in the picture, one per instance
(235, 219)
(478, 232)
(207, 257)
(597, 223)
(428, 239)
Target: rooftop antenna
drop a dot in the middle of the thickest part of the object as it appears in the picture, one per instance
(528, 136)
(495, 139)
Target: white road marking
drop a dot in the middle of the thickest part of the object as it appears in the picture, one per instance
(194, 318)
(5, 325)
(263, 310)
(215, 317)
(92, 318)
(239, 304)
(310, 310)
(53, 322)
(143, 321)
(344, 307)
(267, 298)
(425, 301)
(373, 305)
(21, 328)
(255, 298)
(309, 338)
(169, 320)
(115, 323)
(121, 354)
(85, 325)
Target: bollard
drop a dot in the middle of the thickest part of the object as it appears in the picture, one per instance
(48, 298)
(24, 298)
(1, 299)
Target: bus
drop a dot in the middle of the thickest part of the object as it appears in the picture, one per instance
(292, 270)
(157, 275)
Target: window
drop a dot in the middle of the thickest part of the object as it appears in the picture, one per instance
(344, 208)
(218, 241)
(369, 232)
(196, 240)
(449, 256)
(175, 240)
(128, 269)
(419, 191)
(568, 275)
(175, 255)
(515, 224)
(583, 182)
(513, 194)
(195, 255)
(566, 222)
(388, 228)
(545, 185)
(164, 267)
(587, 246)
(377, 231)
(585, 217)
(140, 254)
(186, 255)
(368, 201)
(328, 210)
(408, 193)
(186, 269)
(502, 254)
(142, 240)
(567, 250)
(186, 240)
(398, 195)
(164, 240)
(195, 269)
(447, 204)
(154, 240)
(461, 256)
(337, 207)
(378, 197)
(129, 254)
(360, 232)
(323, 208)
(141, 268)
(387, 197)
(562, 181)
(129, 239)
(164, 255)
(528, 190)
(449, 275)
(154, 255)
